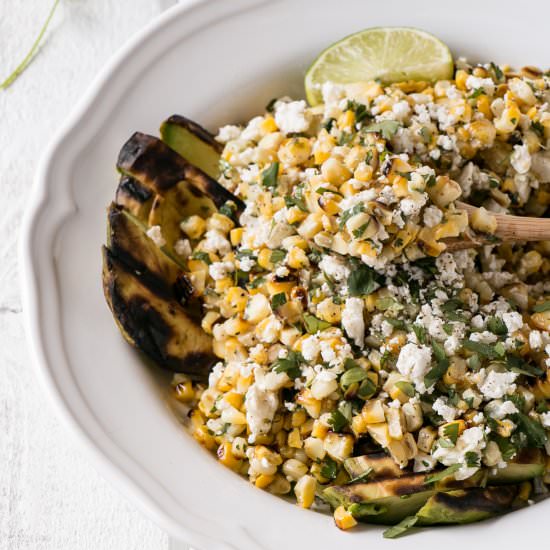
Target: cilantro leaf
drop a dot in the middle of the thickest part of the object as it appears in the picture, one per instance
(402, 527)
(362, 281)
(313, 324)
(387, 128)
(443, 474)
(544, 306)
(269, 176)
(536, 436)
(289, 364)
(278, 300)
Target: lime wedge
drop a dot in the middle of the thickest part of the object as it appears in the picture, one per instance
(391, 54)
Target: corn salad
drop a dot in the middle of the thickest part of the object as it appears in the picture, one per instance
(340, 321)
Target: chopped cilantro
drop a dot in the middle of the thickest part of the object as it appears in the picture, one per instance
(497, 326)
(352, 376)
(313, 325)
(278, 300)
(450, 431)
(544, 306)
(269, 176)
(289, 364)
(202, 256)
(402, 527)
(443, 474)
(329, 468)
(362, 281)
(387, 128)
(277, 255)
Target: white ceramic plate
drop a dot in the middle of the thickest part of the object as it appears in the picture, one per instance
(216, 62)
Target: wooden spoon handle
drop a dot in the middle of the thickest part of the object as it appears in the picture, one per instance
(509, 229)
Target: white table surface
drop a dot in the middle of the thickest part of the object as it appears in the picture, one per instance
(50, 496)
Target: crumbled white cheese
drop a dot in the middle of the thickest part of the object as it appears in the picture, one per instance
(246, 263)
(472, 440)
(535, 340)
(401, 110)
(498, 384)
(155, 234)
(292, 117)
(432, 216)
(513, 321)
(253, 130)
(447, 269)
(260, 409)
(220, 270)
(443, 409)
(182, 247)
(414, 361)
(498, 409)
(411, 206)
(228, 133)
(545, 419)
(311, 348)
(485, 84)
(353, 322)
(521, 159)
(484, 337)
(215, 242)
(423, 462)
(334, 268)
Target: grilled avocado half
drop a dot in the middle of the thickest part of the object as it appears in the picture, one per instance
(146, 287)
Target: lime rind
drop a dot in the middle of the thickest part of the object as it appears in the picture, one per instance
(390, 54)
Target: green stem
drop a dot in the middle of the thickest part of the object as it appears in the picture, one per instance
(29, 57)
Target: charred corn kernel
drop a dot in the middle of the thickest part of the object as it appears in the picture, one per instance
(310, 404)
(295, 215)
(294, 469)
(530, 263)
(264, 258)
(413, 416)
(379, 433)
(257, 308)
(310, 226)
(208, 320)
(236, 298)
(358, 425)
(373, 412)
(305, 491)
(297, 258)
(184, 391)
(329, 205)
(279, 486)
(314, 448)
(258, 354)
(334, 171)
(522, 91)
(295, 151)
(328, 311)
(338, 446)
(277, 287)
(460, 79)
(202, 435)
(343, 519)
(234, 399)
(426, 438)
(269, 125)
(483, 105)
(444, 191)
(298, 418)
(483, 131)
(507, 122)
(319, 430)
(294, 439)
(193, 226)
(236, 235)
(223, 284)
(346, 120)
(234, 350)
(320, 156)
(363, 172)
(482, 220)
(262, 481)
(220, 222)
(395, 421)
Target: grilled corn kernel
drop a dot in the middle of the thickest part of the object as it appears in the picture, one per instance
(483, 221)
(328, 311)
(343, 519)
(193, 226)
(236, 235)
(295, 151)
(334, 171)
(305, 491)
(184, 391)
(297, 258)
(338, 446)
(263, 480)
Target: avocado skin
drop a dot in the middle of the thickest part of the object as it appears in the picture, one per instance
(159, 168)
(155, 324)
(192, 142)
(467, 506)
